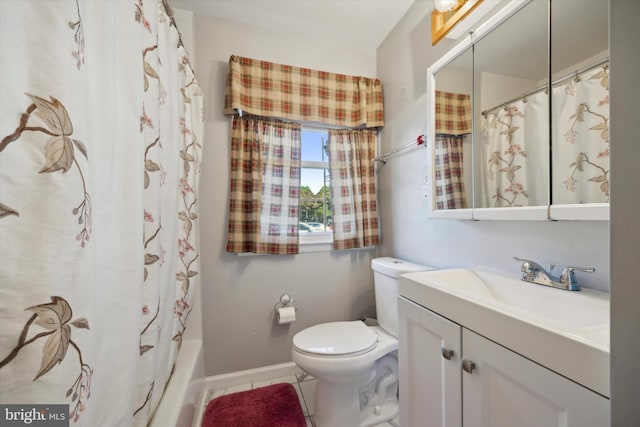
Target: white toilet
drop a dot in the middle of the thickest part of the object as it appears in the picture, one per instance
(357, 365)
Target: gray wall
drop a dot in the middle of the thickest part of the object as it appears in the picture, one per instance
(625, 211)
(239, 292)
(407, 233)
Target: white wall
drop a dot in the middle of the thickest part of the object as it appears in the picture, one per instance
(239, 292)
(496, 89)
(407, 233)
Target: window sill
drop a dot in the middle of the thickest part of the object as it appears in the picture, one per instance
(322, 242)
(315, 242)
(327, 247)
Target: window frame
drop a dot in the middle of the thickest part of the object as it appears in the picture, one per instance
(321, 240)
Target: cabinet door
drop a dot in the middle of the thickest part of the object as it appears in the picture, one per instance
(505, 389)
(429, 363)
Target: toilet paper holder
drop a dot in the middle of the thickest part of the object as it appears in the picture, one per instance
(285, 301)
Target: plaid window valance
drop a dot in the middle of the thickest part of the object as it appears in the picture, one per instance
(281, 91)
(453, 113)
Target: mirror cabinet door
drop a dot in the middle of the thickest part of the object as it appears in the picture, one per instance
(537, 86)
(511, 117)
(452, 155)
(580, 109)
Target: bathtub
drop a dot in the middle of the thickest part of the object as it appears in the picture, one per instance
(182, 402)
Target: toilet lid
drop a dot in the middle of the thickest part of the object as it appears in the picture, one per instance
(336, 338)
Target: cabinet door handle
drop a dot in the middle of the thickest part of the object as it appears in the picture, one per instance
(468, 366)
(447, 354)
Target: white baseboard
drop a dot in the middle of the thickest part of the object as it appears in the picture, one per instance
(251, 375)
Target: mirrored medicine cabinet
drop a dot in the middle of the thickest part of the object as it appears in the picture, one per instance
(518, 116)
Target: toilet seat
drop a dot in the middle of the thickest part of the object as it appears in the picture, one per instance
(336, 339)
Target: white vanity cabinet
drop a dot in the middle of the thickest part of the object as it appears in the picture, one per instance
(430, 384)
(481, 383)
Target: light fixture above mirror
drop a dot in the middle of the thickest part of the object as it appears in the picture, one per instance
(447, 5)
(447, 14)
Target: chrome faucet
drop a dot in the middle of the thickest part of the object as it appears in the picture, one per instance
(535, 273)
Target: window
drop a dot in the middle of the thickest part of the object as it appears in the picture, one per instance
(315, 190)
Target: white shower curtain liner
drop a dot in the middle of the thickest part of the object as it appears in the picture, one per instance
(100, 127)
(581, 139)
(514, 154)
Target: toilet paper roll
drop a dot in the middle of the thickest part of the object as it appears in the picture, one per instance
(286, 315)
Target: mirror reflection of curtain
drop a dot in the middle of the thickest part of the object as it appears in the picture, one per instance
(512, 138)
(581, 139)
(453, 124)
(448, 158)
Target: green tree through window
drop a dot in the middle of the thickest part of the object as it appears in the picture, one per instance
(315, 192)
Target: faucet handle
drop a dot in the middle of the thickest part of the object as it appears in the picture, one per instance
(528, 266)
(530, 269)
(568, 278)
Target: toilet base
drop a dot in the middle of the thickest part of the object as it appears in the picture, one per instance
(336, 405)
(379, 399)
(339, 406)
(369, 402)
(380, 413)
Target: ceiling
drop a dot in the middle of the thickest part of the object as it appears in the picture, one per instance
(363, 22)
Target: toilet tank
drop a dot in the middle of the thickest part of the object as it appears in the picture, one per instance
(386, 273)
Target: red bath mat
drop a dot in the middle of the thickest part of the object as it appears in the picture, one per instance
(275, 405)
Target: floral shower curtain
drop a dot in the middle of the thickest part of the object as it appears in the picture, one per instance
(100, 127)
(581, 139)
(513, 154)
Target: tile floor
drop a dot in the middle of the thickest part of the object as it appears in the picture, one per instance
(305, 386)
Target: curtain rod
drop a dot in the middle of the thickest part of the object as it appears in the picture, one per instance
(554, 83)
(418, 142)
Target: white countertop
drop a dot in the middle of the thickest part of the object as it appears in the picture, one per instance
(565, 331)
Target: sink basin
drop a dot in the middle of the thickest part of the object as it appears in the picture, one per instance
(575, 313)
(565, 331)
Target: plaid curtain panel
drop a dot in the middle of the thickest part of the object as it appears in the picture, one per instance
(453, 113)
(353, 188)
(449, 180)
(281, 91)
(264, 187)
